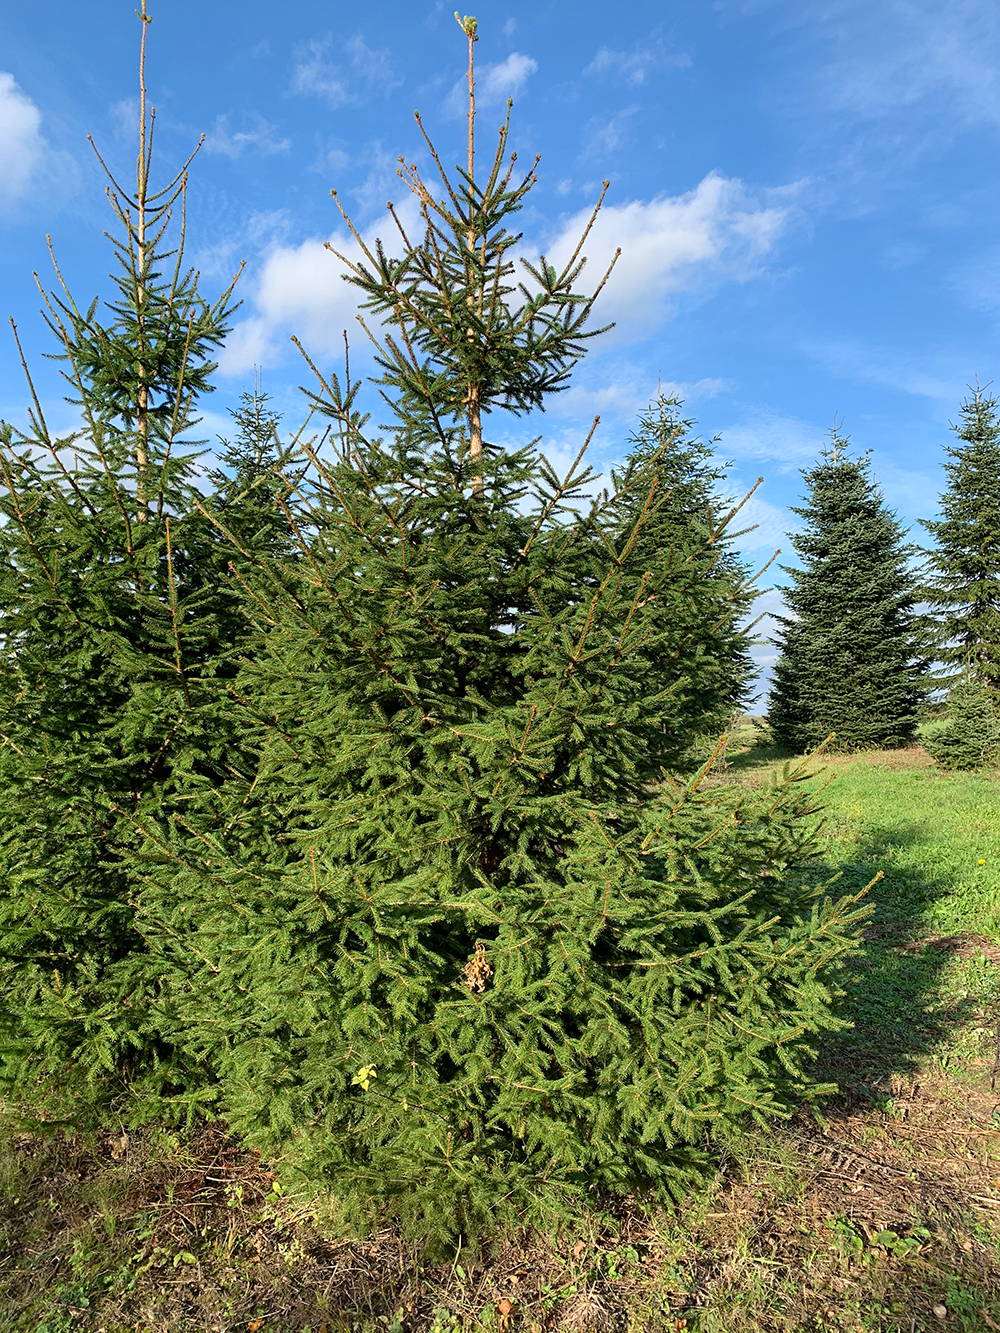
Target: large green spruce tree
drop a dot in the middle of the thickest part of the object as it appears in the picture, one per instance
(113, 641)
(850, 662)
(964, 586)
(435, 938)
(687, 539)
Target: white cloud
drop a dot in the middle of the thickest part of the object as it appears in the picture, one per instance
(261, 231)
(605, 136)
(21, 144)
(260, 136)
(507, 79)
(760, 527)
(494, 84)
(333, 156)
(671, 244)
(914, 51)
(715, 232)
(380, 181)
(124, 116)
(314, 74)
(772, 438)
(613, 389)
(937, 376)
(634, 66)
(300, 290)
(349, 81)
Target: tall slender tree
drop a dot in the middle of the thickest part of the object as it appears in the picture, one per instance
(706, 592)
(109, 637)
(437, 940)
(964, 584)
(251, 497)
(850, 659)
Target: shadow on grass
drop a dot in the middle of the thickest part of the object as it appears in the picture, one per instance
(902, 1011)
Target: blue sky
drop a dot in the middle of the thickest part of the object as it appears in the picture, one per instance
(805, 195)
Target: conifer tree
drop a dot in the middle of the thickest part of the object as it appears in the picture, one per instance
(110, 640)
(247, 484)
(964, 587)
(687, 535)
(971, 736)
(850, 651)
(434, 939)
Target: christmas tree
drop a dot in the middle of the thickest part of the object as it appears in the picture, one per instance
(249, 496)
(705, 591)
(971, 736)
(111, 643)
(850, 662)
(964, 587)
(434, 938)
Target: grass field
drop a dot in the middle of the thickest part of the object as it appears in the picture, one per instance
(879, 1211)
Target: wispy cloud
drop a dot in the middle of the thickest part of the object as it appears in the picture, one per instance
(718, 231)
(604, 135)
(124, 117)
(895, 82)
(359, 72)
(22, 146)
(907, 52)
(494, 83)
(258, 234)
(760, 527)
(260, 136)
(621, 390)
(634, 66)
(770, 437)
(933, 374)
(976, 281)
(332, 156)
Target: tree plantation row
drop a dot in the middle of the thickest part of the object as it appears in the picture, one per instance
(348, 797)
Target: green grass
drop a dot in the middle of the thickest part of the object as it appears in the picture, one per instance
(872, 1213)
(935, 836)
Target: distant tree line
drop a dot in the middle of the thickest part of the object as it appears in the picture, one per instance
(870, 632)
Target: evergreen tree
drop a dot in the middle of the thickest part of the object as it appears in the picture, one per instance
(849, 659)
(249, 493)
(434, 940)
(109, 642)
(686, 536)
(964, 587)
(971, 736)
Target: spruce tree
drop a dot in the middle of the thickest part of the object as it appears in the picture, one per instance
(435, 939)
(971, 736)
(850, 650)
(964, 587)
(110, 640)
(688, 537)
(249, 496)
